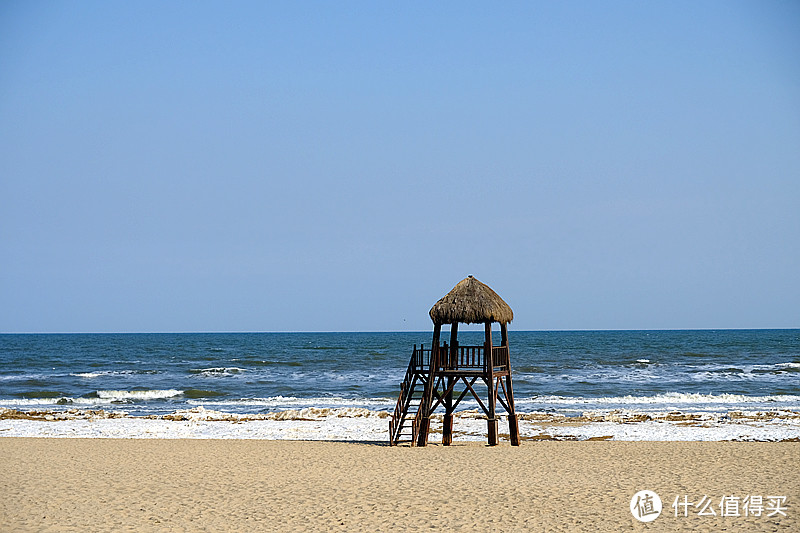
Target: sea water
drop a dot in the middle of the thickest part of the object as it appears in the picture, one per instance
(564, 373)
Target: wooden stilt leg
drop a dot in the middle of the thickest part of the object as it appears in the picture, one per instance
(491, 419)
(513, 429)
(447, 430)
(424, 427)
(447, 427)
(492, 430)
(427, 401)
(513, 423)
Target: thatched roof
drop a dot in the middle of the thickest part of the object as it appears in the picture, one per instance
(471, 302)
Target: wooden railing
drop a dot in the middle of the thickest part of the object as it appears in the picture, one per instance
(420, 358)
(500, 357)
(460, 358)
(396, 422)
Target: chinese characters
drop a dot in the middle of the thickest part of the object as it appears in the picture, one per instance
(731, 505)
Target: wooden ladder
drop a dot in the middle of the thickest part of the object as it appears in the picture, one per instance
(405, 419)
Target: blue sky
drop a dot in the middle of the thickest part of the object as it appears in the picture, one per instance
(304, 166)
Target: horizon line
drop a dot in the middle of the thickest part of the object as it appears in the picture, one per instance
(243, 332)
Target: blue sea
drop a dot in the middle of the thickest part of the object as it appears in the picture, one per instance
(566, 372)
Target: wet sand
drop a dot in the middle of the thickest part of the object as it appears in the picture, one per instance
(263, 485)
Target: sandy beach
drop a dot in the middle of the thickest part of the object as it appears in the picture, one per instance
(260, 485)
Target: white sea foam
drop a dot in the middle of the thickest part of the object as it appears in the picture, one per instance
(102, 397)
(349, 424)
(669, 397)
(218, 371)
(730, 376)
(288, 402)
(673, 400)
(665, 431)
(57, 402)
(689, 402)
(247, 405)
(88, 375)
(117, 395)
(34, 402)
(647, 371)
(733, 368)
(24, 377)
(200, 413)
(100, 373)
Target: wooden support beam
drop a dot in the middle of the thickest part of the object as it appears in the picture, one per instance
(453, 345)
(427, 401)
(439, 397)
(465, 391)
(513, 423)
(491, 419)
(447, 426)
(475, 394)
(505, 394)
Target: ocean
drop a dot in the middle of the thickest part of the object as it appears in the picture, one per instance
(556, 373)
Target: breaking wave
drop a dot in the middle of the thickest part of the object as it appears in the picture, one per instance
(103, 373)
(669, 397)
(217, 371)
(118, 395)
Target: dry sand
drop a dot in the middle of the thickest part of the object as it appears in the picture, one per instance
(223, 485)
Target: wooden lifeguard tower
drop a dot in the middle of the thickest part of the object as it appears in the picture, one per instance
(435, 374)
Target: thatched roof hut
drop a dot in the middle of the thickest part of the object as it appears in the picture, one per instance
(471, 302)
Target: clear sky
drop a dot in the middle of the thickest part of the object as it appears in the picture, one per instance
(327, 166)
